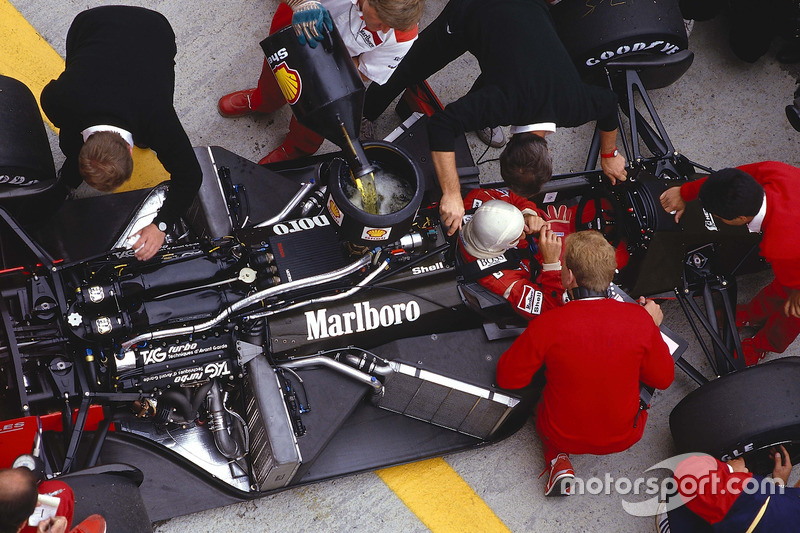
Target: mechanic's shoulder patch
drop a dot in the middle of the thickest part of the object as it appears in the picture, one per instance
(531, 300)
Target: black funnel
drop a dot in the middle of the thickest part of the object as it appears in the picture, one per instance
(323, 87)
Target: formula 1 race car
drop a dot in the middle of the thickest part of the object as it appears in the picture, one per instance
(285, 335)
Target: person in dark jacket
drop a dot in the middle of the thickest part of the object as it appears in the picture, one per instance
(117, 90)
(527, 78)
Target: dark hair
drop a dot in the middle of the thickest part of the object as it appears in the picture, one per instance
(105, 161)
(18, 497)
(731, 193)
(525, 164)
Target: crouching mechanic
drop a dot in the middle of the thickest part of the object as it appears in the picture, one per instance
(376, 33)
(728, 497)
(595, 352)
(117, 90)
(499, 225)
(764, 197)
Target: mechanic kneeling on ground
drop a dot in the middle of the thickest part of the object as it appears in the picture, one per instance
(764, 197)
(500, 223)
(19, 499)
(376, 33)
(595, 352)
(117, 90)
(527, 77)
(727, 497)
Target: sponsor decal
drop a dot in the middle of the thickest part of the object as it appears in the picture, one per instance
(483, 264)
(277, 57)
(375, 234)
(665, 48)
(160, 354)
(531, 300)
(363, 317)
(8, 428)
(211, 370)
(289, 82)
(498, 274)
(16, 180)
(301, 224)
(422, 269)
(476, 203)
(336, 213)
(708, 220)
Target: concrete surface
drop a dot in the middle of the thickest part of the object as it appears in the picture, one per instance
(721, 113)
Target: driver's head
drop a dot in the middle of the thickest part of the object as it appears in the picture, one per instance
(495, 227)
(382, 15)
(105, 161)
(591, 259)
(525, 164)
(18, 497)
(731, 193)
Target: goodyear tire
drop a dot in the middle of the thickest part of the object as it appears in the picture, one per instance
(743, 413)
(25, 154)
(596, 32)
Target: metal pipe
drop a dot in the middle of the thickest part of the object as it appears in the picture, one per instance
(253, 298)
(225, 442)
(323, 299)
(304, 191)
(338, 367)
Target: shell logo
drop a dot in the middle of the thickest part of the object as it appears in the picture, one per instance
(289, 82)
(333, 209)
(375, 234)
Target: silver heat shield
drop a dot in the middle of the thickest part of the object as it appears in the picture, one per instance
(444, 401)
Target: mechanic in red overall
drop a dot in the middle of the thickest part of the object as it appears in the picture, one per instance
(595, 352)
(728, 497)
(376, 33)
(500, 222)
(764, 197)
(19, 499)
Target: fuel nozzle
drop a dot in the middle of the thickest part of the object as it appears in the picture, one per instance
(359, 164)
(363, 173)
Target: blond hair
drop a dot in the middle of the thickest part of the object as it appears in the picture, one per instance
(105, 161)
(591, 259)
(401, 15)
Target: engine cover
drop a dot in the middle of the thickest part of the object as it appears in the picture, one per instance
(184, 362)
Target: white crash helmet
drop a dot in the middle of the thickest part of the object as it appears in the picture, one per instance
(495, 227)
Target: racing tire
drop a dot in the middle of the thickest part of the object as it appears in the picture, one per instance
(743, 414)
(25, 156)
(595, 34)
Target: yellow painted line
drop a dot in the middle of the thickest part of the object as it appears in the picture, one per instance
(26, 56)
(440, 498)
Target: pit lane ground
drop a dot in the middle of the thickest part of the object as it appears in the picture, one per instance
(721, 113)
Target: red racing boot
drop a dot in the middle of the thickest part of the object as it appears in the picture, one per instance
(236, 104)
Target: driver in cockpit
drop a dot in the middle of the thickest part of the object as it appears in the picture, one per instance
(494, 240)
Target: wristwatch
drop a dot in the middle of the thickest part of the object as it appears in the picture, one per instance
(614, 153)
